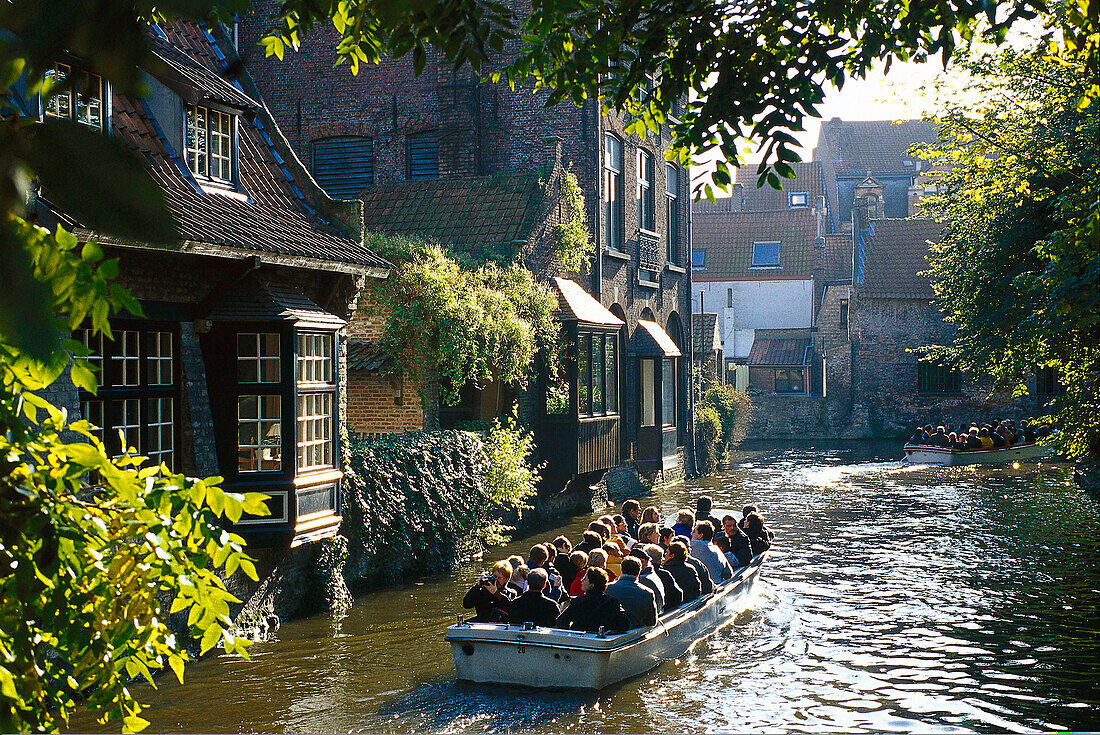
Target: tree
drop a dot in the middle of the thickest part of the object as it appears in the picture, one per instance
(1017, 269)
(90, 571)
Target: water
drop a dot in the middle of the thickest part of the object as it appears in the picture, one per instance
(940, 600)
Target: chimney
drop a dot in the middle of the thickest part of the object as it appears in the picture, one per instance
(551, 151)
(737, 198)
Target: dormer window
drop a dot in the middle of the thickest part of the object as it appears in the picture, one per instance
(799, 199)
(209, 144)
(80, 97)
(765, 255)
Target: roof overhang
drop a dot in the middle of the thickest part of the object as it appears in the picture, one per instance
(577, 305)
(651, 340)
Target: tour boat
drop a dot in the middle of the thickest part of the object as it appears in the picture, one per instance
(497, 653)
(920, 454)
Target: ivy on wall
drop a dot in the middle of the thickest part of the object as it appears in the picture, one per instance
(573, 242)
(462, 317)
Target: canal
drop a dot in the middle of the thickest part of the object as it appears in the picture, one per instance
(946, 600)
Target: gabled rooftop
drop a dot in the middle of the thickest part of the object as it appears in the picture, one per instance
(728, 238)
(854, 147)
(895, 254)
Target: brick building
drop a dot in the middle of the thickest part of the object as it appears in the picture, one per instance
(238, 369)
(391, 128)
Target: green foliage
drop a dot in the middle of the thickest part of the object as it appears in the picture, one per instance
(419, 502)
(573, 242)
(708, 436)
(461, 320)
(1018, 266)
(87, 573)
(733, 412)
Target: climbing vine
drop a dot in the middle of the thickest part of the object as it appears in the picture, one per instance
(462, 321)
(573, 242)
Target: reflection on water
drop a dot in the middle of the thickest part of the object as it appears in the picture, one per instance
(898, 598)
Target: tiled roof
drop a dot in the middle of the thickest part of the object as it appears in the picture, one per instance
(576, 304)
(466, 213)
(854, 147)
(728, 238)
(651, 340)
(194, 81)
(894, 255)
(808, 178)
(269, 214)
(366, 356)
(838, 256)
(705, 336)
(253, 300)
(779, 351)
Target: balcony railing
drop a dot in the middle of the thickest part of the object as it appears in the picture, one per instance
(649, 251)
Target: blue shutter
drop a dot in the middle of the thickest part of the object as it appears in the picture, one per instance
(424, 156)
(344, 166)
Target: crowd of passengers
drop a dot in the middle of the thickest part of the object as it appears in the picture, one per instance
(625, 571)
(1000, 433)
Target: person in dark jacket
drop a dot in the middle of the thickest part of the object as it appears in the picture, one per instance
(632, 511)
(589, 541)
(759, 537)
(648, 577)
(705, 585)
(533, 606)
(490, 596)
(594, 609)
(737, 540)
(702, 513)
(687, 579)
(674, 596)
(561, 560)
(638, 600)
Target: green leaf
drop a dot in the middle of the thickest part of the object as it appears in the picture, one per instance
(210, 638)
(83, 377)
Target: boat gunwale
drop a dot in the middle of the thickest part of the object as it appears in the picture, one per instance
(965, 452)
(666, 623)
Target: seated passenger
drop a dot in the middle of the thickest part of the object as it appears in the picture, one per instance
(594, 609)
(598, 558)
(614, 559)
(666, 537)
(561, 560)
(685, 523)
(638, 600)
(745, 514)
(985, 438)
(759, 537)
(648, 577)
(674, 596)
(518, 583)
(590, 540)
(972, 440)
(917, 437)
(706, 552)
(632, 513)
(705, 585)
(738, 542)
(650, 515)
(490, 595)
(539, 558)
(648, 534)
(579, 559)
(702, 512)
(938, 437)
(953, 442)
(622, 531)
(687, 579)
(998, 438)
(533, 606)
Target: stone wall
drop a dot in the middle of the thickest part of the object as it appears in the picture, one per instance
(789, 417)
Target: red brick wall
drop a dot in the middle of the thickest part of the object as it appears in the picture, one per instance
(372, 407)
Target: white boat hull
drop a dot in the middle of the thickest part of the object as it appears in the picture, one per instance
(919, 454)
(561, 659)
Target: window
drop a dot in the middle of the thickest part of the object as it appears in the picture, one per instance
(613, 192)
(798, 199)
(729, 298)
(316, 401)
(597, 374)
(937, 379)
(1045, 381)
(80, 100)
(584, 377)
(843, 313)
(611, 372)
(790, 380)
(138, 392)
(599, 391)
(259, 405)
(672, 212)
(648, 390)
(668, 392)
(645, 191)
(765, 255)
(699, 259)
(209, 144)
(423, 156)
(344, 166)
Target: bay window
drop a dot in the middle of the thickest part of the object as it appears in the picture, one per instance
(259, 402)
(597, 374)
(316, 401)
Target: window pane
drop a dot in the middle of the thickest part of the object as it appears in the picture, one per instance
(259, 433)
(159, 358)
(668, 392)
(221, 137)
(583, 385)
(645, 191)
(672, 212)
(611, 373)
(89, 100)
(161, 420)
(315, 434)
(126, 360)
(765, 254)
(315, 358)
(649, 389)
(61, 104)
(599, 393)
(196, 141)
(698, 258)
(127, 419)
(92, 411)
(258, 359)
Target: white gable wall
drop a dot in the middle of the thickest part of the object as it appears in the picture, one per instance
(787, 304)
